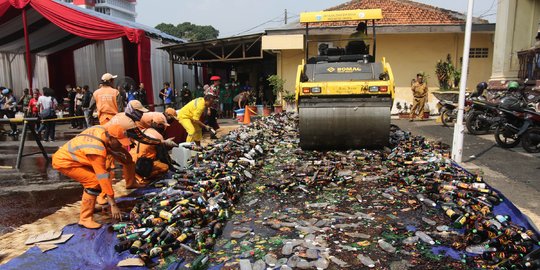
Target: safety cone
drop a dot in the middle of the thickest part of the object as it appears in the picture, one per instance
(247, 118)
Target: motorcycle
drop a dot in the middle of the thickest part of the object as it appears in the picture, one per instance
(449, 111)
(513, 123)
(530, 140)
(483, 117)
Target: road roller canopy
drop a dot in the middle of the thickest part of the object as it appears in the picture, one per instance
(343, 71)
(341, 15)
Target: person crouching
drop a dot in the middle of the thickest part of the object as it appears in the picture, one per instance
(146, 156)
(84, 159)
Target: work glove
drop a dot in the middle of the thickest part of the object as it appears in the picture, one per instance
(169, 143)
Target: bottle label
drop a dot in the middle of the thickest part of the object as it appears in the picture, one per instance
(165, 215)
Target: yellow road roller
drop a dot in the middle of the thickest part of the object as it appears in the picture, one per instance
(343, 95)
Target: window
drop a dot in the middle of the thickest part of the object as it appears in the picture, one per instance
(103, 10)
(479, 53)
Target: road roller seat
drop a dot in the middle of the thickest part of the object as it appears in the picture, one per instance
(357, 47)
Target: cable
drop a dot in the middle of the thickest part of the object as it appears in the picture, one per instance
(489, 9)
(255, 27)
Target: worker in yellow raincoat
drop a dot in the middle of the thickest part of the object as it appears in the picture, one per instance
(189, 117)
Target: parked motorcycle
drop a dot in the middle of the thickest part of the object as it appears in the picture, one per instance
(513, 123)
(449, 111)
(483, 117)
(530, 140)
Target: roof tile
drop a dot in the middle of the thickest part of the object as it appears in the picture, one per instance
(403, 12)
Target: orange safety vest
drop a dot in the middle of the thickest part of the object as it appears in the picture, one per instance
(146, 150)
(76, 151)
(105, 98)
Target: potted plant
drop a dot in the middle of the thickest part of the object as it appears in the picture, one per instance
(278, 108)
(267, 110)
(277, 83)
(456, 74)
(290, 99)
(403, 110)
(444, 71)
(252, 106)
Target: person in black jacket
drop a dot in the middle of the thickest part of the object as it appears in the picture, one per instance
(186, 94)
(142, 94)
(87, 96)
(71, 93)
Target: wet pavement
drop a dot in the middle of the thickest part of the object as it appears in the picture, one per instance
(36, 190)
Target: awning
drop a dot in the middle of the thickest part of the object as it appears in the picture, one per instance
(230, 49)
(45, 27)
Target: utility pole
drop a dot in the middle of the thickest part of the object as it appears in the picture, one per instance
(457, 146)
(285, 16)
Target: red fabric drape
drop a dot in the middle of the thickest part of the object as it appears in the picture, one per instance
(27, 51)
(82, 24)
(61, 71)
(4, 6)
(74, 21)
(145, 70)
(90, 27)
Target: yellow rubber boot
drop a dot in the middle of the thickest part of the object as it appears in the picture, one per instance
(87, 212)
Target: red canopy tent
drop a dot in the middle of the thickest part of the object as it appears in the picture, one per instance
(82, 28)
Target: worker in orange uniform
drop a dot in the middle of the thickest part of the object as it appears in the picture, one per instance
(106, 99)
(127, 120)
(84, 158)
(170, 113)
(135, 119)
(150, 166)
(189, 117)
(130, 120)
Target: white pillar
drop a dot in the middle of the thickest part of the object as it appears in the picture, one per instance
(457, 147)
(516, 27)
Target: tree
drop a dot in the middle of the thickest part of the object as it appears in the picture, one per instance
(189, 31)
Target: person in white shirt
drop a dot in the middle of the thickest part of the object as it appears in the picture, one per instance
(47, 110)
